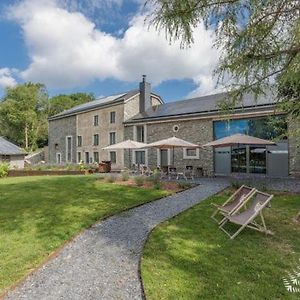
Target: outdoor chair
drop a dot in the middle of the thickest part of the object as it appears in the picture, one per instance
(236, 200)
(173, 173)
(163, 172)
(189, 173)
(247, 217)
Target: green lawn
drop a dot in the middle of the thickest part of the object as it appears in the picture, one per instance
(188, 257)
(38, 214)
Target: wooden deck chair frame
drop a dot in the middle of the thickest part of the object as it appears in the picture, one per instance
(225, 213)
(250, 223)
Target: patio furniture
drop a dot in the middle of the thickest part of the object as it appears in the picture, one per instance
(237, 199)
(247, 217)
(163, 172)
(172, 173)
(189, 173)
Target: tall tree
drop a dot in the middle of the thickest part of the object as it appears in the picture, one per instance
(23, 113)
(63, 102)
(258, 39)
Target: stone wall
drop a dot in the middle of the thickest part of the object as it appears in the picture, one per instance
(86, 129)
(58, 130)
(194, 131)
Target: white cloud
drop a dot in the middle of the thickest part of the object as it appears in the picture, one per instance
(66, 49)
(6, 78)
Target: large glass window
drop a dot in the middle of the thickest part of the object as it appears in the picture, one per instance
(265, 127)
(239, 159)
(257, 160)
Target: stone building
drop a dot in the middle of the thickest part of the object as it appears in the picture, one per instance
(81, 132)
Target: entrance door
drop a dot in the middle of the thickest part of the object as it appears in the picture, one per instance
(239, 159)
(87, 157)
(164, 158)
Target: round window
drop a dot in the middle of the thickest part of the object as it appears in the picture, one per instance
(175, 128)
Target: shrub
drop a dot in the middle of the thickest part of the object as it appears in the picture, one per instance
(157, 186)
(3, 170)
(184, 185)
(125, 175)
(154, 178)
(111, 179)
(139, 180)
(235, 184)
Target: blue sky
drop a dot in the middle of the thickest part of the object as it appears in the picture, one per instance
(98, 46)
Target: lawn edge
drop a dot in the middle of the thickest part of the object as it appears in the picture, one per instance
(56, 252)
(161, 224)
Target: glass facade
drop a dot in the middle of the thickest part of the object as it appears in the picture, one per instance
(246, 158)
(264, 128)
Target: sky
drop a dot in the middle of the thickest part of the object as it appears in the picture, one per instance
(101, 47)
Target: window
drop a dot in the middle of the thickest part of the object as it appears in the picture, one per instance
(96, 157)
(113, 157)
(58, 158)
(191, 153)
(96, 120)
(140, 134)
(68, 149)
(112, 117)
(87, 157)
(140, 157)
(265, 128)
(78, 157)
(96, 140)
(112, 138)
(79, 141)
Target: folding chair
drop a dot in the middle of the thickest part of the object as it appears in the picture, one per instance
(247, 217)
(189, 172)
(233, 202)
(173, 173)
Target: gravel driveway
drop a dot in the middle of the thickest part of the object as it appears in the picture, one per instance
(103, 262)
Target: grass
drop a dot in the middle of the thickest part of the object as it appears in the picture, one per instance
(188, 257)
(39, 214)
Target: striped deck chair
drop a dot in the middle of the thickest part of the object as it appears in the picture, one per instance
(247, 217)
(236, 200)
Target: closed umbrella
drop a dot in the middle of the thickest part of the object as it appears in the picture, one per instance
(172, 143)
(126, 145)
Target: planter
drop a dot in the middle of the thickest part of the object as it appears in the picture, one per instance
(105, 167)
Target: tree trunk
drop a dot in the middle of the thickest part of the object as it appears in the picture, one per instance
(298, 217)
(26, 136)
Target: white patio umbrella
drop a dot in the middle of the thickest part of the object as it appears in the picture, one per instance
(172, 143)
(126, 145)
(238, 139)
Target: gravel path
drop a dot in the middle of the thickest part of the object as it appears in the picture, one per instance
(103, 262)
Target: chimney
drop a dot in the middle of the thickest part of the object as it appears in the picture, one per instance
(145, 95)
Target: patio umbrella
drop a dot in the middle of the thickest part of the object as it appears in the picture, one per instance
(238, 139)
(172, 143)
(126, 145)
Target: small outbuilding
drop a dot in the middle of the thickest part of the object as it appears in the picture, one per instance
(11, 154)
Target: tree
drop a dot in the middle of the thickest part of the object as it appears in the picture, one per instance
(258, 39)
(62, 102)
(23, 113)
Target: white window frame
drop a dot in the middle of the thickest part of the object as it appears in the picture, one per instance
(135, 132)
(78, 161)
(94, 141)
(94, 120)
(110, 122)
(113, 163)
(80, 139)
(109, 137)
(69, 136)
(186, 156)
(58, 154)
(134, 155)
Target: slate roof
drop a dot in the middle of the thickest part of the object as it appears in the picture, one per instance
(200, 105)
(96, 104)
(8, 148)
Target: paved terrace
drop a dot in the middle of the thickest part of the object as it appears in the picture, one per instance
(103, 262)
